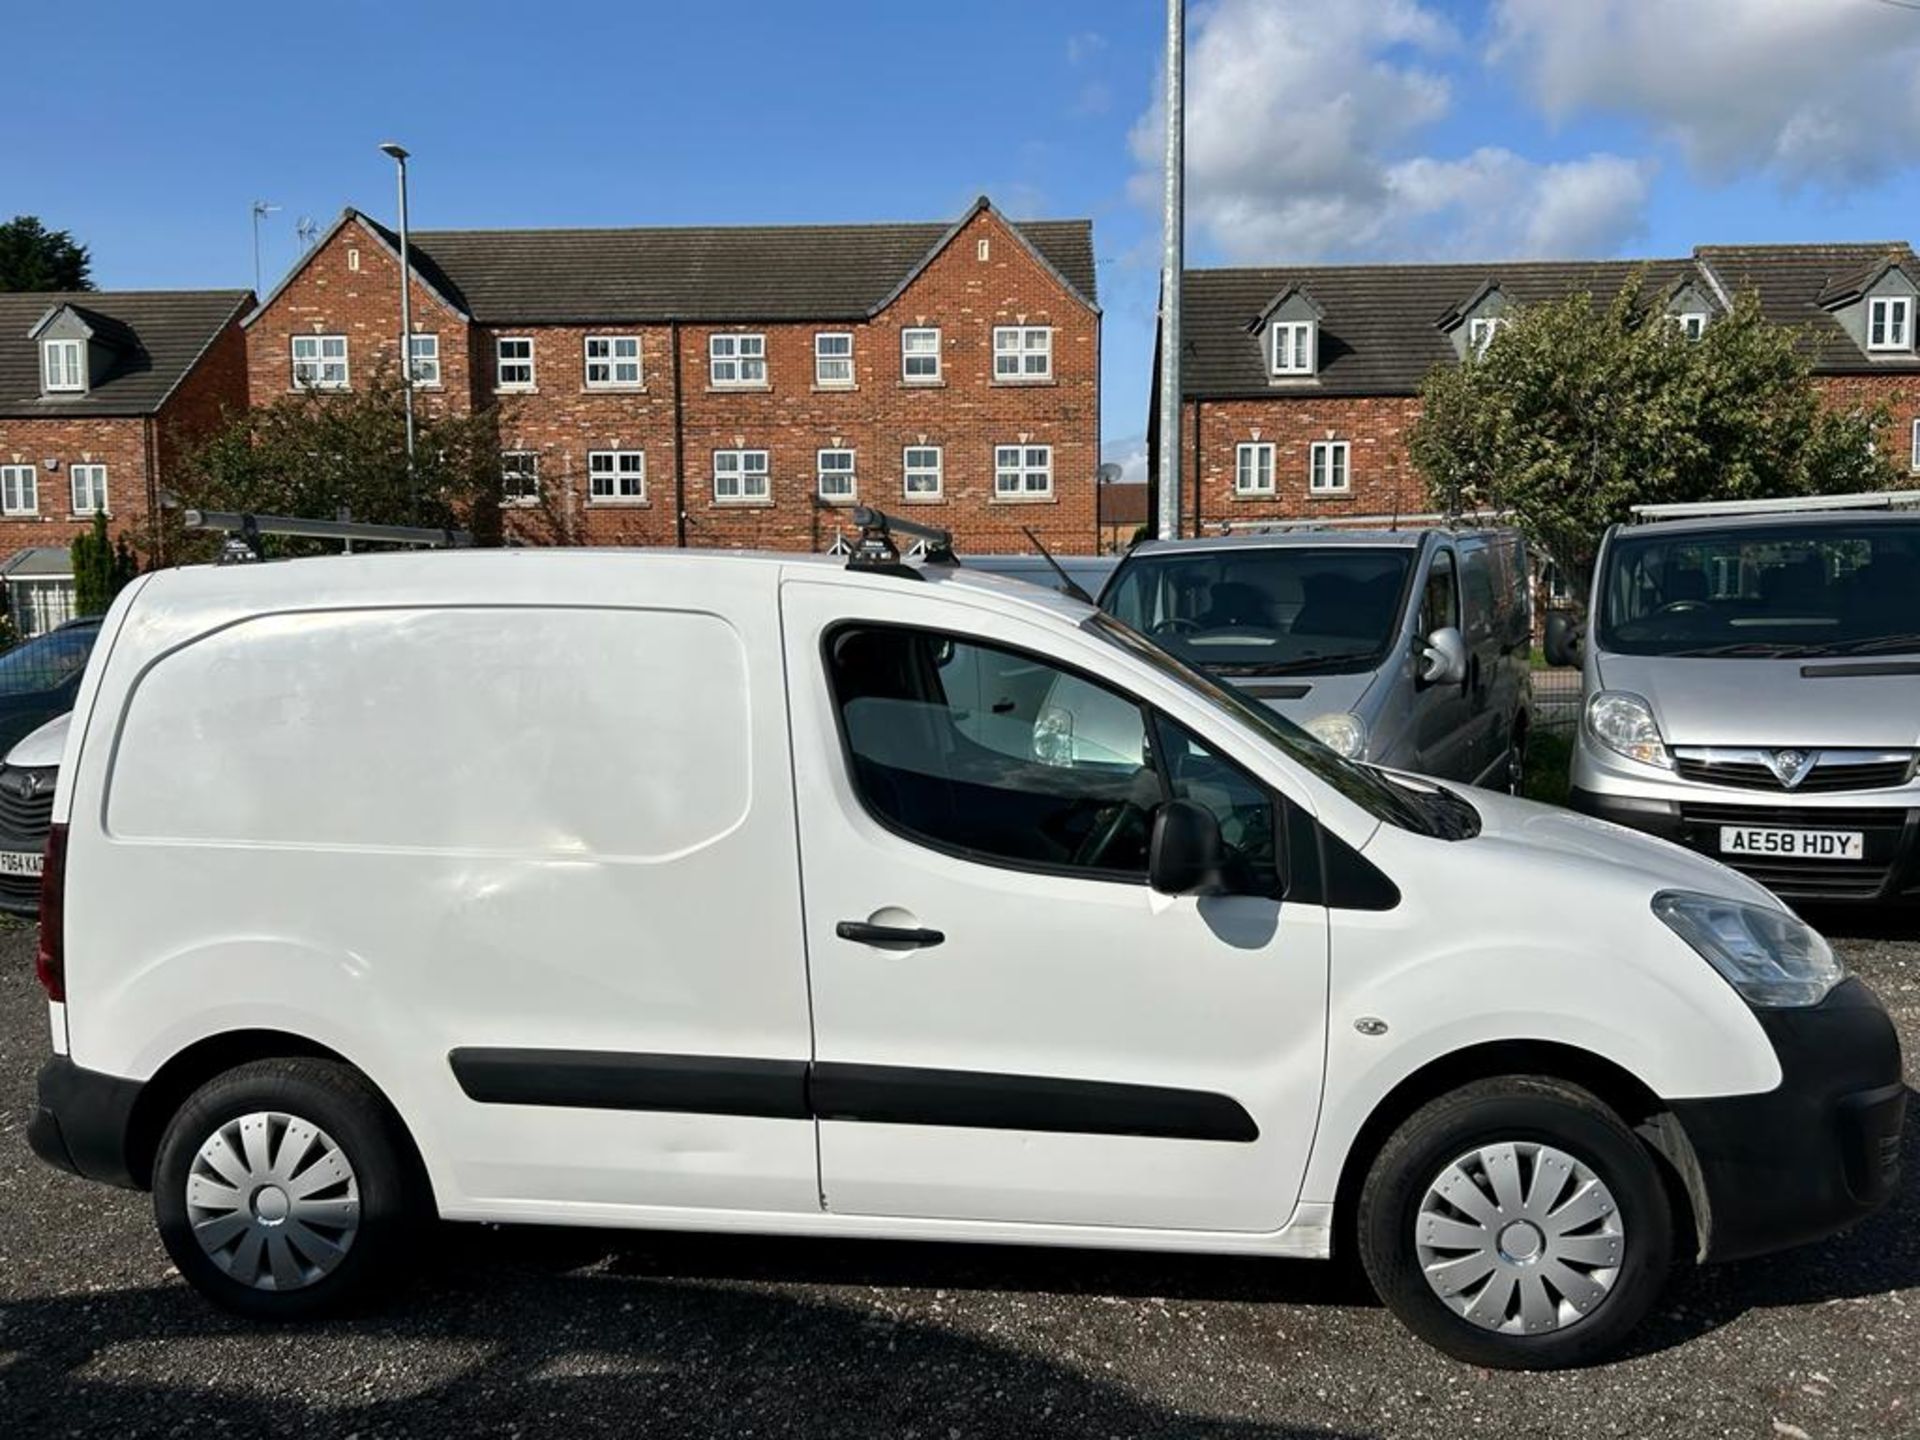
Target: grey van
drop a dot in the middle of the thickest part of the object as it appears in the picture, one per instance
(1751, 690)
(1405, 648)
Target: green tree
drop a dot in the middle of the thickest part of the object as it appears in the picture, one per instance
(33, 257)
(102, 568)
(1579, 410)
(314, 453)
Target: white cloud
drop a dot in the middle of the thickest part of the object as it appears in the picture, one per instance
(1300, 119)
(1130, 454)
(1823, 92)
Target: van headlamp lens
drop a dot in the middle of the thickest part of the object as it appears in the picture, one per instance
(1625, 725)
(1772, 957)
(1342, 732)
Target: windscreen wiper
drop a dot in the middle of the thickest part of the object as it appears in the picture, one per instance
(1760, 649)
(1878, 644)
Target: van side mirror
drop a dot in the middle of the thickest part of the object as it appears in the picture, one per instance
(1566, 639)
(1185, 854)
(1443, 657)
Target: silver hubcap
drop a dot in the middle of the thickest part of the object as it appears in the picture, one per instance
(273, 1201)
(1520, 1238)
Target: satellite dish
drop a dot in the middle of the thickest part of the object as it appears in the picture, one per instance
(1110, 473)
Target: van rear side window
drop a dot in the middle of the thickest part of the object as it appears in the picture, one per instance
(551, 732)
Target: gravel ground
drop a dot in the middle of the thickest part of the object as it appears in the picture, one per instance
(536, 1332)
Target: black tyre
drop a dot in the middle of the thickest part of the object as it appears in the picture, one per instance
(286, 1189)
(1516, 1223)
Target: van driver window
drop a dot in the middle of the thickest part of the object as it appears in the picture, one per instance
(1440, 604)
(994, 753)
(1246, 809)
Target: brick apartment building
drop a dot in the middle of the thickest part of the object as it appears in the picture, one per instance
(99, 391)
(734, 386)
(1299, 385)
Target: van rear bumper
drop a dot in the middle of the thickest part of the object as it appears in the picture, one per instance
(1813, 1155)
(83, 1120)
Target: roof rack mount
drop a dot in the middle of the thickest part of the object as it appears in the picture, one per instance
(876, 551)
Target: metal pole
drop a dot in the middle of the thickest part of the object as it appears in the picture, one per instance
(406, 315)
(1173, 224)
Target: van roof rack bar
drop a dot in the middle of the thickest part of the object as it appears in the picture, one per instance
(1428, 520)
(1787, 505)
(251, 527)
(875, 549)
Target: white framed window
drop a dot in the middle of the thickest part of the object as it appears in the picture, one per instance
(1022, 472)
(1890, 323)
(737, 360)
(1253, 468)
(1293, 347)
(1692, 323)
(1022, 352)
(1481, 330)
(1327, 467)
(424, 351)
(520, 477)
(833, 358)
(613, 362)
(835, 475)
(63, 365)
(920, 467)
(617, 476)
(1915, 463)
(19, 490)
(513, 363)
(740, 476)
(89, 484)
(920, 354)
(319, 362)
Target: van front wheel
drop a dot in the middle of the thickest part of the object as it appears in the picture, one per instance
(1516, 1223)
(284, 1189)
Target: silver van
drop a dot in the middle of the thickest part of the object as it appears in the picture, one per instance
(1406, 648)
(1751, 689)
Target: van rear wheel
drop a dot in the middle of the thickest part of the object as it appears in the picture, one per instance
(286, 1189)
(1516, 1223)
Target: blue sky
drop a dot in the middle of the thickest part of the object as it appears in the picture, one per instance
(1365, 129)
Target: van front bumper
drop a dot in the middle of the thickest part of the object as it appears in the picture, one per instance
(1813, 1155)
(83, 1121)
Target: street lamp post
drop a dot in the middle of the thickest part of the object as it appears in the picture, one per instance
(399, 155)
(1172, 261)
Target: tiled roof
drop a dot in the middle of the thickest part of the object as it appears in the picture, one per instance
(157, 336)
(749, 272)
(1383, 326)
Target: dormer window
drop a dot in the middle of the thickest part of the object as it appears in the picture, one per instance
(63, 365)
(1890, 323)
(1481, 330)
(1692, 323)
(1293, 347)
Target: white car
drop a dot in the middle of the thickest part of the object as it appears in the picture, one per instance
(678, 891)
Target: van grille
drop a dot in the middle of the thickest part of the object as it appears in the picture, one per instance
(1747, 771)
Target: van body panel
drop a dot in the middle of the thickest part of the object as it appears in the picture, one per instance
(1764, 702)
(402, 829)
(1042, 980)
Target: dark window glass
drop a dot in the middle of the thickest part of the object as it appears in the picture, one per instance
(1440, 603)
(46, 661)
(1246, 809)
(994, 753)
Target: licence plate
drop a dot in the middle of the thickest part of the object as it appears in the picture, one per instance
(20, 862)
(1793, 844)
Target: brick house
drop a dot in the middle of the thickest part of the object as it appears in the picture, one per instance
(734, 386)
(1299, 385)
(99, 392)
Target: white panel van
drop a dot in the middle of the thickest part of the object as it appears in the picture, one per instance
(755, 893)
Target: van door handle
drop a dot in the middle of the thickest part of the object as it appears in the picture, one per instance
(870, 934)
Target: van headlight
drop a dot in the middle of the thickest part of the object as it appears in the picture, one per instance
(1771, 957)
(1625, 725)
(1341, 731)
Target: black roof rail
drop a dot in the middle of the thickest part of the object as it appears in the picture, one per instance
(875, 550)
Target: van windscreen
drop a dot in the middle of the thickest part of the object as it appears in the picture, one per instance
(1788, 589)
(1271, 611)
